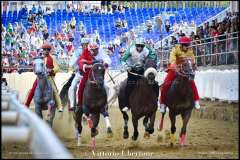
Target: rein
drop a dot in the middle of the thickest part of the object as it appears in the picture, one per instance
(94, 79)
(135, 74)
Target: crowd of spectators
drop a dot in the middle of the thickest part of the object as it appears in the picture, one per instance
(20, 44)
(219, 40)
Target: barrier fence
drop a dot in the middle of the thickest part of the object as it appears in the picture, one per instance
(19, 124)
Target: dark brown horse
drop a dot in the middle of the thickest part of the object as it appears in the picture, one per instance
(180, 99)
(142, 100)
(94, 101)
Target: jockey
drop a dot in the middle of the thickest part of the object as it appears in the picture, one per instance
(178, 51)
(85, 62)
(73, 64)
(52, 68)
(136, 54)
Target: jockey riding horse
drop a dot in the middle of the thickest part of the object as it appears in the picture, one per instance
(136, 55)
(52, 68)
(178, 51)
(77, 75)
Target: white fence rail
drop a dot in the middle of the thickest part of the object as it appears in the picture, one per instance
(19, 124)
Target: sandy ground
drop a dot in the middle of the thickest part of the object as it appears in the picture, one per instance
(209, 135)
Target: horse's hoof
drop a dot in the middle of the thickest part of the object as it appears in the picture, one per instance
(109, 133)
(151, 130)
(146, 135)
(135, 136)
(125, 135)
(171, 144)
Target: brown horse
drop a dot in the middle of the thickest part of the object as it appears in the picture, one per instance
(94, 101)
(180, 99)
(142, 100)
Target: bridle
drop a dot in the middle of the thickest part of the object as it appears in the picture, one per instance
(92, 74)
(181, 71)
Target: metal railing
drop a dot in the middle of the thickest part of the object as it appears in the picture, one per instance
(215, 52)
(218, 16)
(19, 124)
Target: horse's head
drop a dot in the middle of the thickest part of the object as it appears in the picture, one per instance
(98, 71)
(186, 69)
(150, 70)
(38, 66)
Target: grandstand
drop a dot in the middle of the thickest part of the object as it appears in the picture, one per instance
(104, 23)
(136, 16)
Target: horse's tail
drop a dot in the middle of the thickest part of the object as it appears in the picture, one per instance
(64, 90)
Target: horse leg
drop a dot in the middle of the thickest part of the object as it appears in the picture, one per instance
(52, 115)
(107, 121)
(126, 118)
(94, 130)
(135, 125)
(38, 110)
(185, 117)
(146, 125)
(95, 119)
(78, 124)
(160, 127)
(172, 117)
(151, 125)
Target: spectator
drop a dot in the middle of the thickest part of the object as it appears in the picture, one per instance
(126, 5)
(121, 9)
(166, 46)
(167, 26)
(34, 9)
(40, 11)
(124, 24)
(114, 6)
(82, 29)
(73, 23)
(158, 22)
(173, 41)
(118, 23)
(149, 26)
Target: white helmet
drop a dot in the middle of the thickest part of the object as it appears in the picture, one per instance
(140, 41)
(84, 40)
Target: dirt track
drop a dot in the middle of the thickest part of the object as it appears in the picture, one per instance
(207, 137)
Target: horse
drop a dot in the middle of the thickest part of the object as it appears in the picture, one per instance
(180, 99)
(139, 105)
(43, 95)
(94, 102)
(64, 95)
